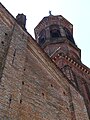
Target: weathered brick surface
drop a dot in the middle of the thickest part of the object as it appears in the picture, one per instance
(31, 87)
(79, 107)
(80, 78)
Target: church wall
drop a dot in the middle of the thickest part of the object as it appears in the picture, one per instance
(32, 87)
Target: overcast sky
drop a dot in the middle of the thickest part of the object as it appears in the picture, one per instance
(75, 11)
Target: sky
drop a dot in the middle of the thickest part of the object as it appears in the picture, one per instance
(75, 11)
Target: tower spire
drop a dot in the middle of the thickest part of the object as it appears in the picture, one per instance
(50, 12)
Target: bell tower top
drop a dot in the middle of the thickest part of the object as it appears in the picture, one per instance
(54, 20)
(56, 30)
(56, 25)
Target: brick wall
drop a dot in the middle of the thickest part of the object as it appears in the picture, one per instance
(31, 87)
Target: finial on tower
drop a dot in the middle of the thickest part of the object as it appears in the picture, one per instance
(50, 12)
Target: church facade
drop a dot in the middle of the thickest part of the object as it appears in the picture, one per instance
(42, 78)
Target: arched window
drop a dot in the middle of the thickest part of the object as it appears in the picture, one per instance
(67, 70)
(42, 37)
(54, 31)
(69, 35)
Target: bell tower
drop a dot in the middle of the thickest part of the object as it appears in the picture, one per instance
(55, 36)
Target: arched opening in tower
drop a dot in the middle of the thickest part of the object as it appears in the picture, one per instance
(55, 33)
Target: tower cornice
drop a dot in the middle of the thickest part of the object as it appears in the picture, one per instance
(78, 65)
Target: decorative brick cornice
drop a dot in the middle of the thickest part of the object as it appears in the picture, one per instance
(76, 64)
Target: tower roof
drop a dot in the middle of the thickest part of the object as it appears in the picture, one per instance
(58, 20)
(51, 19)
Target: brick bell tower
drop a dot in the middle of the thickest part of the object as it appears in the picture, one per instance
(55, 35)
